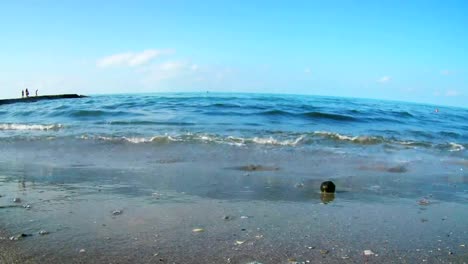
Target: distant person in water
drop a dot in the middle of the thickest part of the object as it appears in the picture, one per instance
(22, 93)
(36, 92)
(27, 92)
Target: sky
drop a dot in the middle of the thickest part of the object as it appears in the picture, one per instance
(413, 51)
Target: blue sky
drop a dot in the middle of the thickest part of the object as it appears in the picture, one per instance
(397, 50)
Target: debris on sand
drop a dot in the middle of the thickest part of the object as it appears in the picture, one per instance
(397, 169)
(368, 252)
(17, 200)
(82, 250)
(19, 237)
(117, 212)
(299, 185)
(424, 201)
(227, 217)
(239, 242)
(9, 206)
(198, 230)
(252, 167)
(43, 232)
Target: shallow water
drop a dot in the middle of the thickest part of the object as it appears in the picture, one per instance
(403, 197)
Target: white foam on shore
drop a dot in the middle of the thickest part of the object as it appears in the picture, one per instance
(456, 147)
(202, 138)
(30, 127)
(355, 139)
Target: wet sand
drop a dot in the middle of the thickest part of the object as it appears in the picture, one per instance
(136, 204)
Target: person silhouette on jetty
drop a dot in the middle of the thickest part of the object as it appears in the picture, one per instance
(36, 92)
(22, 93)
(27, 92)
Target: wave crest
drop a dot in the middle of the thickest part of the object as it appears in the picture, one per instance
(290, 140)
(30, 127)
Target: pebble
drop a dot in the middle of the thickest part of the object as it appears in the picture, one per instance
(324, 251)
(82, 250)
(43, 232)
(239, 242)
(20, 236)
(299, 185)
(198, 230)
(424, 202)
(244, 217)
(368, 252)
(227, 217)
(117, 212)
(27, 206)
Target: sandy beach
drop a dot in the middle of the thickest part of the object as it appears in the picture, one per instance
(254, 205)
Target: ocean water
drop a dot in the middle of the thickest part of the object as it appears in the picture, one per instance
(240, 119)
(175, 162)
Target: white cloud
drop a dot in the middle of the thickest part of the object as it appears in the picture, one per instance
(194, 67)
(307, 71)
(446, 72)
(171, 70)
(131, 59)
(447, 93)
(451, 93)
(384, 79)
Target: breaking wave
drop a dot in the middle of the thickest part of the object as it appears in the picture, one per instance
(292, 140)
(30, 127)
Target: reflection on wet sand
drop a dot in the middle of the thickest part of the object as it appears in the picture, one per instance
(327, 197)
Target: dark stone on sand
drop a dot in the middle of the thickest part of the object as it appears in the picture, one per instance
(227, 217)
(397, 169)
(327, 187)
(20, 236)
(253, 167)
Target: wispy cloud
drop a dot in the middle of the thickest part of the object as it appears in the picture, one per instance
(131, 59)
(170, 70)
(384, 79)
(451, 93)
(446, 72)
(307, 71)
(448, 93)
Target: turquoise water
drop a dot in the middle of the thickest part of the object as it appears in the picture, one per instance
(239, 119)
(302, 138)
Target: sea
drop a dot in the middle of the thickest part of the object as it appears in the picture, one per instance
(122, 172)
(313, 122)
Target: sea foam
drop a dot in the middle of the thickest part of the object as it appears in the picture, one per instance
(30, 127)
